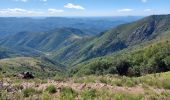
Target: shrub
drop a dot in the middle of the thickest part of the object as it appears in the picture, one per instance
(166, 84)
(167, 62)
(89, 94)
(51, 89)
(103, 80)
(122, 67)
(46, 96)
(28, 92)
(67, 93)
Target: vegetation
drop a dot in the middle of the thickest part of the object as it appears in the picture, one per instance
(114, 87)
(67, 93)
(152, 80)
(51, 89)
(116, 39)
(39, 67)
(131, 61)
(29, 92)
(89, 94)
(149, 59)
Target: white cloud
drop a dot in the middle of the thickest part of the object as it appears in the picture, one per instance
(30, 12)
(19, 11)
(125, 10)
(73, 6)
(54, 11)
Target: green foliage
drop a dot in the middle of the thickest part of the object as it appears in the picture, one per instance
(46, 96)
(122, 67)
(29, 92)
(60, 77)
(167, 62)
(128, 96)
(67, 93)
(150, 59)
(166, 84)
(122, 37)
(40, 68)
(51, 89)
(159, 80)
(88, 94)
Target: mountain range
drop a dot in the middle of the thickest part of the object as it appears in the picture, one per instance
(77, 49)
(91, 26)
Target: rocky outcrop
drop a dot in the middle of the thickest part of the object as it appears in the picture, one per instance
(26, 75)
(142, 33)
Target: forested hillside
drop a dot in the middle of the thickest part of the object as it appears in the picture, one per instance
(44, 41)
(117, 39)
(152, 58)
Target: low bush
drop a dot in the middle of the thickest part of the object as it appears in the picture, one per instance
(51, 89)
(88, 94)
(29, 92)
(46, 96)
(67, 93)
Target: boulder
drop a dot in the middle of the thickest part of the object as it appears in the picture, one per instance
(26, 75)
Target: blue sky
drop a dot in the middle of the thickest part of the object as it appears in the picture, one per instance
(83, 7)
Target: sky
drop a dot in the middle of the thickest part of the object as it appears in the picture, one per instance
(83, 7)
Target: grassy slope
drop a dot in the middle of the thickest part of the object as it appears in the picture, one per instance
(40, 67)
(6, 52)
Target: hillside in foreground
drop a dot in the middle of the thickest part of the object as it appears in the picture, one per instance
(108, 87)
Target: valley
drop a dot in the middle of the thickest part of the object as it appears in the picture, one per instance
(79, 60)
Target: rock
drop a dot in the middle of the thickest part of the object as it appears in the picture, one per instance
(11, 89)
(26, 75)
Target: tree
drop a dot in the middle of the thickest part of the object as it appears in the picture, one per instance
(122, 67)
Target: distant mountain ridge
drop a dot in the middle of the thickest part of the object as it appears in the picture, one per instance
(92, 26)
(47, 41)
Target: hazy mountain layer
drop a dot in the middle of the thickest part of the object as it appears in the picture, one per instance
(90, 26)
